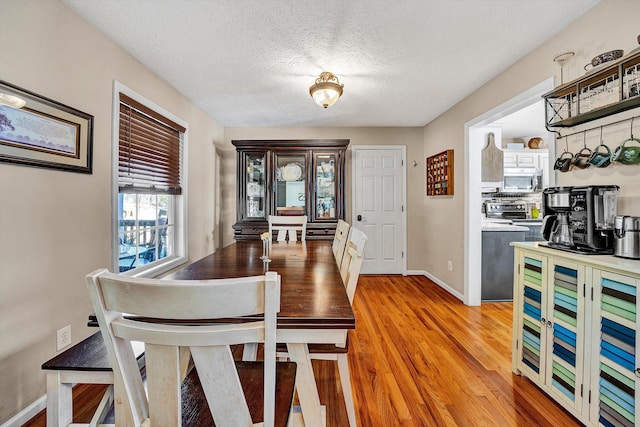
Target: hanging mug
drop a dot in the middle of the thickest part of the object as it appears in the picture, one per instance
(563, 163)
(581, 159)
(600, 159)
(627, 155)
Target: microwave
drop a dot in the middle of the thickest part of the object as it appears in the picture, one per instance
(522, 180)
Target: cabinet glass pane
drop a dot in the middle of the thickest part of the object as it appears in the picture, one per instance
(325, 186)
(291, 185)
(255, 186)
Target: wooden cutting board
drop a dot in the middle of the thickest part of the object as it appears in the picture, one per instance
(492, 161)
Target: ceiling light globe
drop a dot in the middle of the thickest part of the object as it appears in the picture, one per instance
(326, 90)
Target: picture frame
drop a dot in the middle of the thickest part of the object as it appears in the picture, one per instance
(45, 133)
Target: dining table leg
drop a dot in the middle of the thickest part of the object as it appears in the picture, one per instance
(306, 386)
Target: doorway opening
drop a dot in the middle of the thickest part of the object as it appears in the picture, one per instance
(475, 133)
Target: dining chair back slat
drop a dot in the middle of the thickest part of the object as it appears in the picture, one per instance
(340, 241)
(352, 261)
(288, 225)
(178, 303)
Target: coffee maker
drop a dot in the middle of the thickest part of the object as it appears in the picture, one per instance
(556, 206)
(580, 219)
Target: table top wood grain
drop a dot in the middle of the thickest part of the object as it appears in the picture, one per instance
(312, 293)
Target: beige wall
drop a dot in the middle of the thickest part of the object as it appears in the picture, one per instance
(610, 25)
(56, 226)
(409, 137)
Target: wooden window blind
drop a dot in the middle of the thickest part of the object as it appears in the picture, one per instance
(149, 148)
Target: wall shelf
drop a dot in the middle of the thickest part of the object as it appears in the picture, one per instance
(440, 174)
(613, 88)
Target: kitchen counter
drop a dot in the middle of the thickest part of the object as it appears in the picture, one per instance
(501, 225)
(610, 262)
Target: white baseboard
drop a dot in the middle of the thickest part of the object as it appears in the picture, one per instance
(437, 281)
(27, 413)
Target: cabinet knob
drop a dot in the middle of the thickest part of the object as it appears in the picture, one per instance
(543, 321)
(637, 372)
(549, 324)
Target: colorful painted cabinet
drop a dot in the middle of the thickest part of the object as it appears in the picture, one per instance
(614, 366)
(574, 335)
(550, 326)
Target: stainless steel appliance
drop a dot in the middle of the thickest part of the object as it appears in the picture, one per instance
(518, 212)
(506, 209)
(580, 219)
(522, 180)
(627, 237)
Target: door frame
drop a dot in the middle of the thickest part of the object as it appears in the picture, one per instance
(473, 173)
(403, 190)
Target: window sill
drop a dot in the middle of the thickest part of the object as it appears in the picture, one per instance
(156, 269)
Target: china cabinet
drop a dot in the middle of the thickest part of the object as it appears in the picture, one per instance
(289, 177)
(574, 331)
(604, 90)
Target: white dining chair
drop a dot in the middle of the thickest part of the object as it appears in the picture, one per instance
(229, 388)
(352, 263)
(288, 224)
(340, 240)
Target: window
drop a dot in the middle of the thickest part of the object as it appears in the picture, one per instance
(150, 207)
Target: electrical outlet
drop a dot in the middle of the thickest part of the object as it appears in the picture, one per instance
(450, 265)
(63, 337)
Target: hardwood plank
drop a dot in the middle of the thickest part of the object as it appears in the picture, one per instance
(419, 357)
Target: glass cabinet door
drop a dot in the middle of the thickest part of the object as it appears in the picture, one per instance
(325, 196)
(291, 184)
(256, 186)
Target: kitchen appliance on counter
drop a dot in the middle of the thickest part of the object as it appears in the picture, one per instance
(580, 219)
(627, 237)
(522, 180)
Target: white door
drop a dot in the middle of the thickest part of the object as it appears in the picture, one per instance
(378, 196)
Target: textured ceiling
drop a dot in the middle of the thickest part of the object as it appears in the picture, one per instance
(402, 62)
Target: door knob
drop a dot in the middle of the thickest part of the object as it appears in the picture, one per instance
(359, 217)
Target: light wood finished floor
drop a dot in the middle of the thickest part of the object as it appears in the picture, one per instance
(419, 357)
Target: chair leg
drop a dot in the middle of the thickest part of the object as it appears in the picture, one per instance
(345, 381)
(59, 401)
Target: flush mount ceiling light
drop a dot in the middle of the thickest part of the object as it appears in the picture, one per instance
(11, 100)
(326, 90)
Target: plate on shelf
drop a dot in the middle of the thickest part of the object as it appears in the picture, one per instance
(291, 172)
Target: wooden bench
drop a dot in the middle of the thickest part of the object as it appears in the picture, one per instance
(85, 363)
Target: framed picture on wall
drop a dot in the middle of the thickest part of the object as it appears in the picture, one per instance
(38, 131)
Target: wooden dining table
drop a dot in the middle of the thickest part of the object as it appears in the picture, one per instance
(314, 307)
